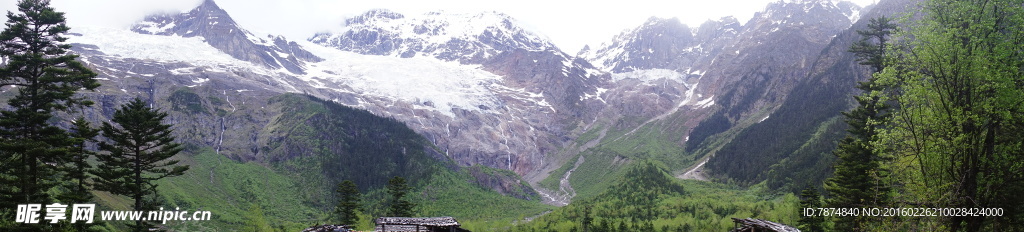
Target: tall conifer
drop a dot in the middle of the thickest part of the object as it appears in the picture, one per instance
(399, 206)
(46, 78)
(348, 203)
(137, 155)
(857, 181)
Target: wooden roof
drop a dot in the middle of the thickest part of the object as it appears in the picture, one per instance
(761, 225)
(432, 221)
(328, 228)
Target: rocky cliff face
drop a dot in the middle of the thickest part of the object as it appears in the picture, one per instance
(722, 76)
(757, 70)
(800, 135)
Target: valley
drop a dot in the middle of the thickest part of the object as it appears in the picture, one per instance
(664, 127)
(491, 100)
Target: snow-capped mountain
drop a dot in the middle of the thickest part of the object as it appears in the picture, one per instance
(822, 17)
(659, 44)
(507, 111)
(565, 88)
(523, 58)
(480, 87)
(468, 38)
(216, 28)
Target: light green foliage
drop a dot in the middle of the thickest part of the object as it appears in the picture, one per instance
(955, 139)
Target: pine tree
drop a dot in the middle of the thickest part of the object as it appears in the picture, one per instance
(399, 206)
(857, 181)
(76, 166)
(587, 220)
(348, 203)
(47, 78)
(870, 49)
(137, 155)
(603, 226)
(809, 198)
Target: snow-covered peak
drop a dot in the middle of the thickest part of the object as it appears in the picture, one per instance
(374, 15)
(807, 17)
(467, 37)
(604, 57)
(205, 17)
(783, 9)
(711, 29)
(657, 44)
(211, 23)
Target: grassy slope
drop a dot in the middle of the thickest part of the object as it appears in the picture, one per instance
(701, 206)
(239, 195)
(249, 196)
(298, 191)
(659, 141)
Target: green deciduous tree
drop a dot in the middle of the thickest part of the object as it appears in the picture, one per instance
(137, 155)
(46, 78)
(957, 133)
(348, 203)
(858, 181)
(399, 206)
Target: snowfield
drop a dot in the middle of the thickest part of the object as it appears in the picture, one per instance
(422, 81)
(446, 85)
(124, 43)
(649, 75)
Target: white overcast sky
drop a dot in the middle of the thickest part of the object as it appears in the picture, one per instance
(570, 24)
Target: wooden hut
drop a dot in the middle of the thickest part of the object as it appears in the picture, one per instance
(760, 225)
(405, 224)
